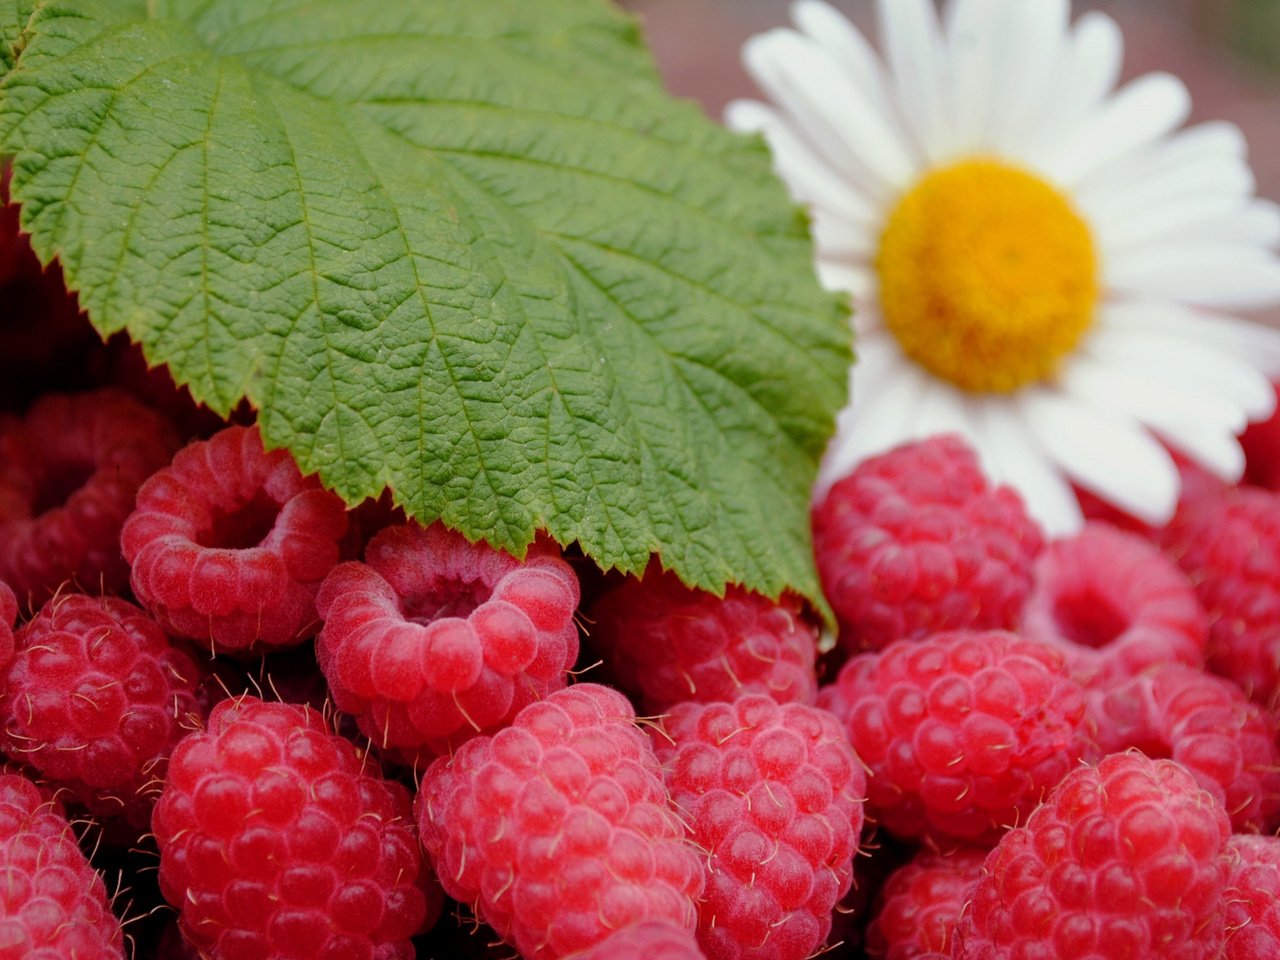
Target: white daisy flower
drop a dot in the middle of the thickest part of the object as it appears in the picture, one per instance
(1037, 260)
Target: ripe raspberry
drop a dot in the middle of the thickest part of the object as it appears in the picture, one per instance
(1253, 898)
(647, 940)
(1229, 547)
(1114, 606)
(1261, 443)
(557, 828)
(275, 842)
(229, 543)
(667, 643)
(916, 541)
(963, 732)
(773, 793)
(8, 617)
(95, 701)
(1204, 723)
(1122, 860)
(69, 471)
(433, 639)
(920, 905)
(53, 905)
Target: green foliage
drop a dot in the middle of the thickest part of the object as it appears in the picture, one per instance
(468, 251)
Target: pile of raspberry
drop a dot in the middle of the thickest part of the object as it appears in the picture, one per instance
(241, 719)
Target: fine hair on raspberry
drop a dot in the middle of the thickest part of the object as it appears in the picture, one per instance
(433, 639)
(963, 733)
(916, 541)
(69, 472)
(229, 544)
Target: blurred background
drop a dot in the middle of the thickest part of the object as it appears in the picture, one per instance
(1227, 51)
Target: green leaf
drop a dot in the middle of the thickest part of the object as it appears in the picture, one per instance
(468, 251)
(14, 15)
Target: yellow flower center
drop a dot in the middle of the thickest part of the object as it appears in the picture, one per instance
(988, 277)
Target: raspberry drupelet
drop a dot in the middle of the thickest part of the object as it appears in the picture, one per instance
(53, 904)
(434, 639)
(229, 544)
(773, 793)
(557, 828)
(963, 733)
(1253, 898)
(95, 700)
(1205, 723)
(1229, 546)
(916, 541)
(919, 906)
(1114, 605)
(8, 617)
(69, 472)
(648, 940)
(1122, 860)
(277, 840)
(667, 643)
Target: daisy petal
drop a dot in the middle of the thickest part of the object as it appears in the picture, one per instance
(913, 42)
(833, 114)
(1106, 453)
(1219, 453)
(1147, 340)
(811, 181)
(858, 282)
(1239, 276)
(1041, 29)
(1257, 224)
(1163, 222)
(974, 38)
(827, 27)
(1147, 108)
(1011, 455)
(837, 240)
(1150, 401)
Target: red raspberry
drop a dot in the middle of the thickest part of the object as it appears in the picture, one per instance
(1114, 606)
(773, 793)
(53, 905)
(915, 541)
(1204, 723)
(647, 940)
(557, 828)
(277, 842)
(8, 617)
(433, 639)
(963, 732)
(1122, 860)
(229, 543)
(1229, 547)
(1261, 443)
(918, 908)
(69, 471)
(1253, 898)
(667, 643)
(95, 701)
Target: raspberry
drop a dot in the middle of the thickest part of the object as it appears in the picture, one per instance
(1253, 898)
(433, 639)
(918, 908)
(1204, 723)
(275, 842)
(557, 828)
(1229, 547)
(8, 617)
(647, 940)
(95, 701)
(915, 541)
(773, 793)
(229, 543)
(963, 732)
(69, 471)
(1114, 606)
(53, 905)
(1261, 443)
(667, 643)
(1122, 860)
